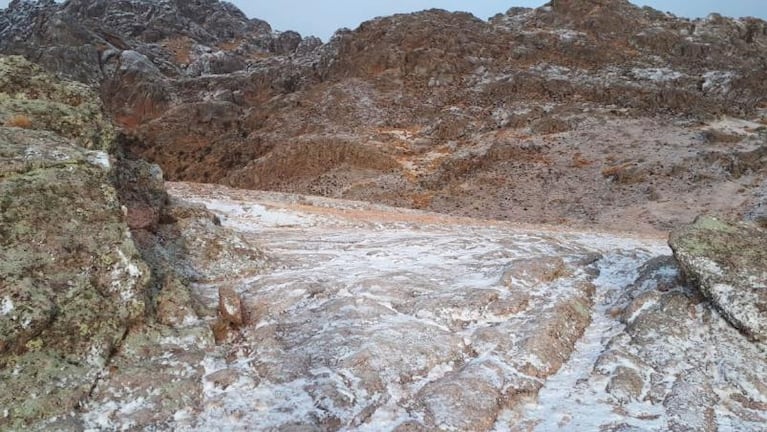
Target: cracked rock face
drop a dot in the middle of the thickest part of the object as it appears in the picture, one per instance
(728, 262)
(71, 278)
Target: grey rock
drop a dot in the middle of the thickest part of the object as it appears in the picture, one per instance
(68, 298)
(728, 262)
(286, 42)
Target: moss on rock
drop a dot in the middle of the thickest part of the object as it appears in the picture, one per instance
(70, 109)
(70, 269)
(728, 263)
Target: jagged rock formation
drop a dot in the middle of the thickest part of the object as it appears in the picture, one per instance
(582, 112)
(729, 264)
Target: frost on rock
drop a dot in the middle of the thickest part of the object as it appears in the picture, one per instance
(67, 297)
(657, 74)
(727, 262)
(377, 319)
(718, 82)
(7, 306)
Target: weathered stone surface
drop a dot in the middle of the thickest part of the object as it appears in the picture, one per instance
(378, 319)
(71, 279)
(728, 262)
(350, 329)
(69, 109)
(158, 371)
(230, 306)
(665, 360)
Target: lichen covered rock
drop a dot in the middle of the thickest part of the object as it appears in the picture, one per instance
(35, 99)
(71, 280)
(728, 262)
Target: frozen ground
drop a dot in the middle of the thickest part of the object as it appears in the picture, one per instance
(376, 319)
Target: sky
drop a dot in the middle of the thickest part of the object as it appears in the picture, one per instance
(322, 17)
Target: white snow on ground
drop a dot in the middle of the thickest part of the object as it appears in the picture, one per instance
(718, 81)
(568, 400)
(367, 269)
(6, 306)
(656, 74)
(251, 217)
(735, 126)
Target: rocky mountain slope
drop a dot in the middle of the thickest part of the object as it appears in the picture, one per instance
(587, 112)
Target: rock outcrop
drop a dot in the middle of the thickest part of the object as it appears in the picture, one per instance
(32, 99)
(95, 263)
(728, 262)
(71, 279)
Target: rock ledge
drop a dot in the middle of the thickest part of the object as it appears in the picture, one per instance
(728, 262)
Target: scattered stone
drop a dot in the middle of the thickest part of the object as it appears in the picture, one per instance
(230, 306)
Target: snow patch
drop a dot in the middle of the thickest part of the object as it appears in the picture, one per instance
(121, 270)
(656, 74)
(6, 306)
(718, 81)
(560, 405)
(251, 217)
(100, 159)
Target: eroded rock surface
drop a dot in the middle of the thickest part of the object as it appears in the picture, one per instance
(379, 319)
(32, 98)
(71, 279)
(658, 357)
(728, 262)
(95, 265)
(69, 298)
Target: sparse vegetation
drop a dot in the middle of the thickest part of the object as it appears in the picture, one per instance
(624, 174)
(717, 136)
(20, 121)
(579, 161)
(422, 201)
(181, 47)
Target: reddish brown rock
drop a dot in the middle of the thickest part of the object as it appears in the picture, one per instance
(230, 306)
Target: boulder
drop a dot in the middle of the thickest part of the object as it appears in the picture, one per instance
(728, 263)
(71, 279)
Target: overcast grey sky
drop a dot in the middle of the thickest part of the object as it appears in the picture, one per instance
(322, 17)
